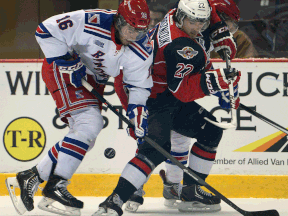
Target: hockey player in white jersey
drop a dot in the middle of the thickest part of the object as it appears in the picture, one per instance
(90, 44)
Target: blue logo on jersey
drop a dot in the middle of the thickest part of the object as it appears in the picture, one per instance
(78, 94)
(99, 43)
(95, 19)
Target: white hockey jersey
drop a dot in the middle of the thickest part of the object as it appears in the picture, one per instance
(91, 35)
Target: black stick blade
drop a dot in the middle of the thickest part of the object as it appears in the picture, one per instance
(263, 213)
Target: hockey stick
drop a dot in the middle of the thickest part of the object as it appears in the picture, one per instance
(233, 123)
(263, 118)
(176, 162)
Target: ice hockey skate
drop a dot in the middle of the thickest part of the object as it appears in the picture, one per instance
(195, 199)
(112, 206)
(135, 200)
(28, 182)
(171, 192)
(56, 191)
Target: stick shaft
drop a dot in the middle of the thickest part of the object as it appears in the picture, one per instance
(263, 118)
(164, 152)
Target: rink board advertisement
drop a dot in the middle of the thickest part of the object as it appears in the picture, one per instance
(30, 123)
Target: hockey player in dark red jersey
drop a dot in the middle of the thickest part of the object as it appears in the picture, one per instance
(181, 74)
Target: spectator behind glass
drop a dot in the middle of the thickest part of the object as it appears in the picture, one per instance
(245, 48)
(157, 13)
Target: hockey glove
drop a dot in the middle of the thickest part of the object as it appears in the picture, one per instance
(138, 114)
(222, 39)
(72, 71)
(224, 99)
(218, 79)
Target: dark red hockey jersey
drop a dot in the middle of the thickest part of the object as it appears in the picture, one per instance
(179, 61)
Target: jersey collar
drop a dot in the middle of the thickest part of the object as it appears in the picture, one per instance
(113, 37)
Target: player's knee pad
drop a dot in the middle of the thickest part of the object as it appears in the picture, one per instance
(179, 150)
(86, 125)
(179, 143)
(210, 136)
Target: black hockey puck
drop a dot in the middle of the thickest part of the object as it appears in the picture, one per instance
(109, 153)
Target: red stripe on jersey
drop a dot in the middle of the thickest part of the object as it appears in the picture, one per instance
(208, 67)
(54, 152)
(74, 148)
(40, 31)
(141, 165)
(139, 49)
(95, 29)
(202, 153)
(102, 11)
(119, 89)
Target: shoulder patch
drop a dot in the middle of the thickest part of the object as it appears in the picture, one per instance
(187, 52)
(98, 22)
(95, 19)
(99, 18)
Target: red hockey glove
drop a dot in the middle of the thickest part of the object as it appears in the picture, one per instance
(214, 18)
(222, 40)
(217, 80)
(221, 37)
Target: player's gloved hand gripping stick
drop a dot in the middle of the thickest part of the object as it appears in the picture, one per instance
(233, 123)
(176, 162)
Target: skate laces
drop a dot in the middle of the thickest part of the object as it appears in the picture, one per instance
(177, 187)
(62, 185)
(33, 186)
(203, 192)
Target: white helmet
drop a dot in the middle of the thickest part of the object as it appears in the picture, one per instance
(195, 10)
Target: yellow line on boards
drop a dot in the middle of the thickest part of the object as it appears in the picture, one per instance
(231, 186)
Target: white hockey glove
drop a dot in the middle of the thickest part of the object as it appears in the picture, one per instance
(139, 115)
(72, 71)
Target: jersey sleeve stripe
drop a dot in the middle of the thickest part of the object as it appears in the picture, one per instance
(42, 32)
(65, 57)
(97, 34)
(99, 30)
(102, 11)
(132, 86)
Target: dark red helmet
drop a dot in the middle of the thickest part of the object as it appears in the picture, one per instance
(227, 7)
(135, 12)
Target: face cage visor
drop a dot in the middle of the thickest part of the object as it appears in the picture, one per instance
(193, 20)
(232, 24)
(129, 32)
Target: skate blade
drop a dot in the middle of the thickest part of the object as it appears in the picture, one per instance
(46, 204)
(132, 206)
(11, 184)
(172, 203)
(198, 207)
(102, 212)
